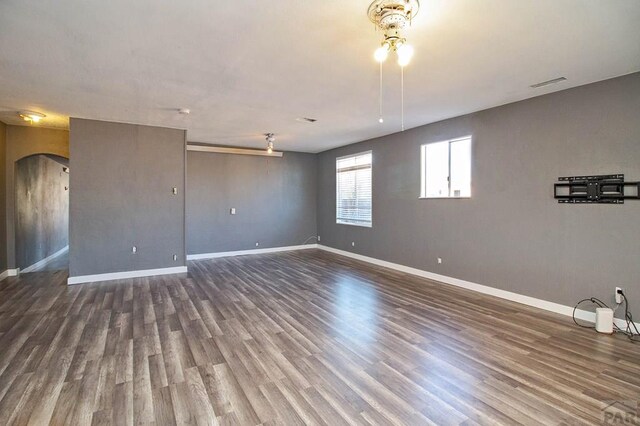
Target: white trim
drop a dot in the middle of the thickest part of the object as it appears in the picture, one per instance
(503, 294)
(46, 260)
(9, 273)
(125, 275)
(239, 151)
(13, 272)
(251, 251)
(361, 225)
(357, 154)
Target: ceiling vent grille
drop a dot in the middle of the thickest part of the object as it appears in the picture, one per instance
(548, 82)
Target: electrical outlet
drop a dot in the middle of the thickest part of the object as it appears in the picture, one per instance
(318, 238)
(175, 257)
(232, 211)
(134, 249)
(353, 243)
(439, 260)
(257, 244)
(618, 293)
(175, 190)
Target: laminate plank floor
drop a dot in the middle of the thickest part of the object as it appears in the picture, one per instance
(303, 337)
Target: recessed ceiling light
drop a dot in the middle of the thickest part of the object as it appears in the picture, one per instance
(306, 120)
(31, 116)
(548, 82)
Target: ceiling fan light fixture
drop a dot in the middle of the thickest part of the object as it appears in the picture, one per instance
(405, 53)
(392, 17)
(392, 14)
(381, 53)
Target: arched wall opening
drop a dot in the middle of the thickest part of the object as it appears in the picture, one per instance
(21, 142)
(41, 217)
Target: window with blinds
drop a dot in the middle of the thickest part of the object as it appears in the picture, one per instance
(353, 189)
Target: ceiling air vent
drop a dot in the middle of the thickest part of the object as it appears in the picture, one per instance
(548, 82)
(306, 120)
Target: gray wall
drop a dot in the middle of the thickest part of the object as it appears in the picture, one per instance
(122, 177)
(511, 234)
(23, 141)
(3, 197)
(274, 198)
(42, 209)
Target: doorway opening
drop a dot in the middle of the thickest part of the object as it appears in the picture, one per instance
(42, 213)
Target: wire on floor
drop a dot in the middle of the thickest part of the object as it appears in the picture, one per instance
(313, 237)
(631, 330)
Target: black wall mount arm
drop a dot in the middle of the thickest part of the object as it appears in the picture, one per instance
(602, 189)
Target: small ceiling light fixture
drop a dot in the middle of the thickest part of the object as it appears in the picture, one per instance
(31, 116)
(392, 17)
(270, 138)
(548, 82)
(184, 111)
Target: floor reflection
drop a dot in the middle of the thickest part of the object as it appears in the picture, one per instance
(355, 310)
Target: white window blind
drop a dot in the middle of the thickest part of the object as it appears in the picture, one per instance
(446, 169)
(353, 189)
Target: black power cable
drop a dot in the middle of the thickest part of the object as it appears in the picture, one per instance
(634, 337)
(631, 330)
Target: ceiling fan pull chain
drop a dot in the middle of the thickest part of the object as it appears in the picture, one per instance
(402, 97)
(380, 119)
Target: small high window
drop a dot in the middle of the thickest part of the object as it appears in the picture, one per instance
(446, 169)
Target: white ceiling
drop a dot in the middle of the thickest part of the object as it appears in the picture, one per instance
(249, 67)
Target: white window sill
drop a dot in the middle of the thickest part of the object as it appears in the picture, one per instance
(444, 198)
(354, 224)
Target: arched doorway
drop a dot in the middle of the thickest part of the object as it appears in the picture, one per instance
(42, 213)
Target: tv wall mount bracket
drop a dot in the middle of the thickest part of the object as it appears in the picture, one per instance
(601, 189)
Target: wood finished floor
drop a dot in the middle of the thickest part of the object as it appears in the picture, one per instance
(293, 338)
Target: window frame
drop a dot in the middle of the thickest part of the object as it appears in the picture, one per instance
(361, 225)
(423, 165)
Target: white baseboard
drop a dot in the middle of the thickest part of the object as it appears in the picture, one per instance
(252, 251)
(125, 275)
(9, 273)
(44, 261)
(503, 294)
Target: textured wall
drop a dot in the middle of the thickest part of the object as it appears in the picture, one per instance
(23, 141)
(122, 177)
(511, 234)
(274, 198)
(42, 209)
(3, 197)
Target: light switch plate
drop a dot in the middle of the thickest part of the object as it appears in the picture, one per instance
(233, 210)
